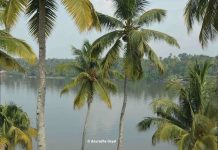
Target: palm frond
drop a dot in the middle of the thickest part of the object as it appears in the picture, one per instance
(83, 13)
(109, 22)
(132, 64)
(210, 142)
(3, 142)
(208, 30)
(75, 82)
(16, 47)
(166, 105)
(109, 85)
(9, 63)
(102, 93)
(127, 9)
(194, 9)
(167, 132)
(12, 12)
(82, 95)
(76, 66)
(153, 57)
(20, 137)
(205, 12)
(33, 13)
(153, 15)
(147, 122)
(105, 41)
(112, 55)
(184, 142)
(156, 35)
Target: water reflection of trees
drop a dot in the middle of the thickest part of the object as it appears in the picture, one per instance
(136, 89)
(16, 82)
(147, 89)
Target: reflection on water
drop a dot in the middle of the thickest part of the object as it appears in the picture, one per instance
(64, 125)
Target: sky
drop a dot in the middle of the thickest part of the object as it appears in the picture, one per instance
(65, 33)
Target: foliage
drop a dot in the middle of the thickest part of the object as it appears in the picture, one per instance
(90, 77)
(127, 33)
(15, 128)
(205, 12)
(9, 45)
(188, 122)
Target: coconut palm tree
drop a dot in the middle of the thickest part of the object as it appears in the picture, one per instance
(128, 32)
(42, 14)
(189, 123)
(15, 128)
(41, 23)
(91, 79)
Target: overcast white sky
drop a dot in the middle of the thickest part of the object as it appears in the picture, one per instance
(66, 34)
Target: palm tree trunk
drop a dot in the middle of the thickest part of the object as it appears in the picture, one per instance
(0, 91)
(121, 126)
(85, 127)
(216, 103)
(40, 112)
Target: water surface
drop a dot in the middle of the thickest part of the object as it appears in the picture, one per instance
(64, 125)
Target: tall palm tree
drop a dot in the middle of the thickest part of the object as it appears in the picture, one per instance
(127, 31)
(189, 123)
(91, 79)
(42, 16)
(15, 128)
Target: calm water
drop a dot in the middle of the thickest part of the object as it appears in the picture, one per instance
(64, 125)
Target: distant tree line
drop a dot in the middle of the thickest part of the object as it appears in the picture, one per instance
(174, 67)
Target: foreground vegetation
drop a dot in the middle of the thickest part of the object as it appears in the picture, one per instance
(190, 123)
(15, 128)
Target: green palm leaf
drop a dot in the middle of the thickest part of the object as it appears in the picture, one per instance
(106, 41)
(83, 13)
(102, 93)
(167, 132)
(156, 35)
(146, 123)
(33, 13)
(82, 96)
(209, 27)
(153, 57)
(12, 11)
(8, 63)
(16, 47)
(153, 15)
(75, 82)
(109, 22)
(112, 55)
(127, 9)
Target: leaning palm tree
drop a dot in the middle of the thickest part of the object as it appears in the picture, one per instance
(91, 79)
(15, 128)
(189, 123)
(128, 33)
